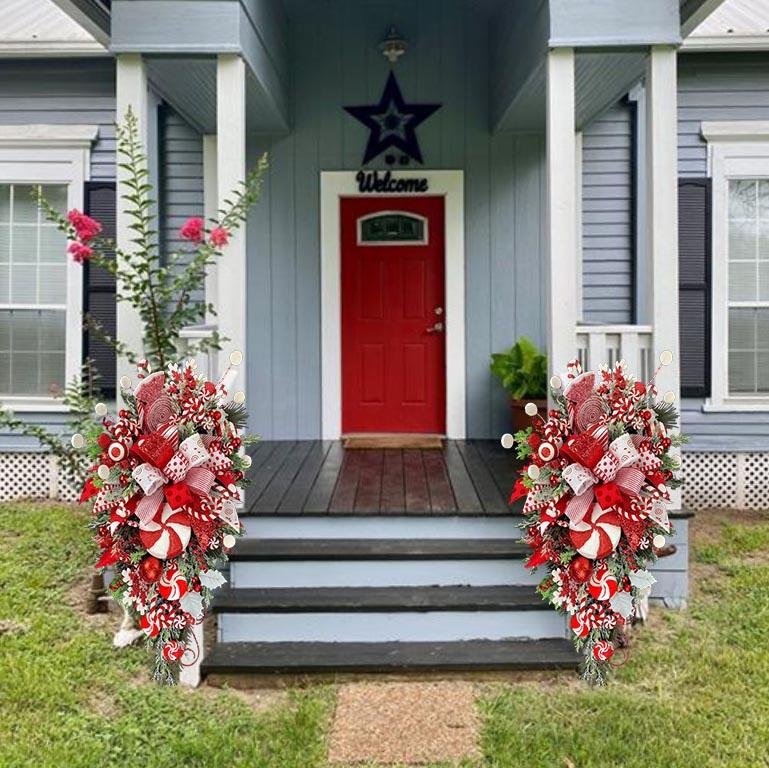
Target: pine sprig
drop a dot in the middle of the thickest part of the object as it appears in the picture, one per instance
(666, 414)
(237, 414)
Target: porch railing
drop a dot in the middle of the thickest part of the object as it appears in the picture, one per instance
(597, 344)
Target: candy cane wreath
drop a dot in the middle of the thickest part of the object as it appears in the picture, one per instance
(596, 485)
(165, 477)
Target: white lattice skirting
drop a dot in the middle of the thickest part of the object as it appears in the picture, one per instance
(35, 475)
(737, 480)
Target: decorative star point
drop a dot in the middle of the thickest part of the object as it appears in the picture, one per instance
(392, 122)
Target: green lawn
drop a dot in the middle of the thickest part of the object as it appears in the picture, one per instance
(694, 693)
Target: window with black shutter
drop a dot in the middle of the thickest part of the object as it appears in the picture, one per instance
(99, 288)
(694, 285)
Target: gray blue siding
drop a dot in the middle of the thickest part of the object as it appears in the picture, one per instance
(72, 91)
(181, 179)
(336, 62)
(717, 87)
(607, 217)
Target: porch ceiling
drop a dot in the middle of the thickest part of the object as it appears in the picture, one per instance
(611, 54)
(188, 83)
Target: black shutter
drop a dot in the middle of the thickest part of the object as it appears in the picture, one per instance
(99, 288)
(694, 290)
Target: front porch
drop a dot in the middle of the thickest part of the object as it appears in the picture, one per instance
(312, 477)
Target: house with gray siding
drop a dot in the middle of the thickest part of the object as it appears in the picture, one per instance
(542, 168)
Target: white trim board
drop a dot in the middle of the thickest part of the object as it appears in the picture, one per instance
(337, 184)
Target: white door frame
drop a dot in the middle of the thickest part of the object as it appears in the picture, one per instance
(335, 185)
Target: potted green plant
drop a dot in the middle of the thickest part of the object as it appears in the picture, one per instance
(522, 371)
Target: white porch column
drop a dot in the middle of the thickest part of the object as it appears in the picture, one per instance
(230, 172)
(131, 91)
(662, 213)
(563, 273)
(210, 208)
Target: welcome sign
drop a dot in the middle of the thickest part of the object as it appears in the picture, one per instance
(376, 182)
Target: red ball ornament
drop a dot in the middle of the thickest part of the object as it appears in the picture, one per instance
(580, 569)
(104, 441)
(151, 569)
(534, 440)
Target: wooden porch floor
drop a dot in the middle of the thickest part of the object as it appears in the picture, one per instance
(312, 477)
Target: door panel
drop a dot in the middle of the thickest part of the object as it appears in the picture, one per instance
(393, 368)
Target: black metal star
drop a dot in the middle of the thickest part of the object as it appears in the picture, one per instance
(391, 122)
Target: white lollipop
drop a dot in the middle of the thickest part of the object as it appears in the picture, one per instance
(236, 357)
(507, 441)
(78, 441)
(100, 409)
(531, 409)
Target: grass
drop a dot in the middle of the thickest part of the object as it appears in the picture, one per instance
(66, 699)
(694, 692)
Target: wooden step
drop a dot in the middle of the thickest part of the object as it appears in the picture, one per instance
(459, 656)
(377, 599)
(271, 550)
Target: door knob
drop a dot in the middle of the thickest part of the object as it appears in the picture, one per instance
(437, 328)
(438, 310)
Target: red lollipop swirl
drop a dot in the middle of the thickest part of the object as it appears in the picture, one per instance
(160, 412)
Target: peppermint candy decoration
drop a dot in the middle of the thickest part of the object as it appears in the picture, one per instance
(172, 585)
(160, 412)
(590, 413)
(603, 650)
(598, 534)
(547, 452)
(603, 584)
(172, 651)
(580, 625)
(167, 537)
(117, 452)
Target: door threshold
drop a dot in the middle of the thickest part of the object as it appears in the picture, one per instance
(390, 440)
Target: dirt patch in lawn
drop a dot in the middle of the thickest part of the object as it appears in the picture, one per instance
(404, 723)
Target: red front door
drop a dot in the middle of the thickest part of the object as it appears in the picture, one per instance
(393, 342)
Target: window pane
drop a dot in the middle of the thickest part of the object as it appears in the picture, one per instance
(53, 285)
(742, 199)
(392, 227)
(742, 377)
(24, 331)
(5, 203)
(23, 284)
(5, 372)
(742, 329)
(763, 239)
(763, 372)
(32, 363)
(24, 244)
(742, 240)
(51, 325)
(24, 203)
(56, 195)
(763, 281)
(51, 373)
(5, 243)
(762, 329)
(53, 246)
(5, 295)
(24, 379)
(5, 331)
(742, 282)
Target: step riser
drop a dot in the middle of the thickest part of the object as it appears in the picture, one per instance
(380, 573)
(395, 527)
(433, 626)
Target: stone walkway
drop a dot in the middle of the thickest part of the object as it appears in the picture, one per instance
(404, 723)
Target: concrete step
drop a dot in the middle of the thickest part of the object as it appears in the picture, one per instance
(296, 658)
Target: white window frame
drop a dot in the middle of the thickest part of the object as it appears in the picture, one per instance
(61, 155)
(736, 150)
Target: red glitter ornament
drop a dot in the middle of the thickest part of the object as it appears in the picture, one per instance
(151, 569)
(580, 569)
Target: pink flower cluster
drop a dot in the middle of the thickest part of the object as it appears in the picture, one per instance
(86, 229)
(194, 231)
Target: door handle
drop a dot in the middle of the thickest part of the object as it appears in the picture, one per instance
(437, 328)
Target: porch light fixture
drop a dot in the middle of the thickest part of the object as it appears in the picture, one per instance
(393, 46)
